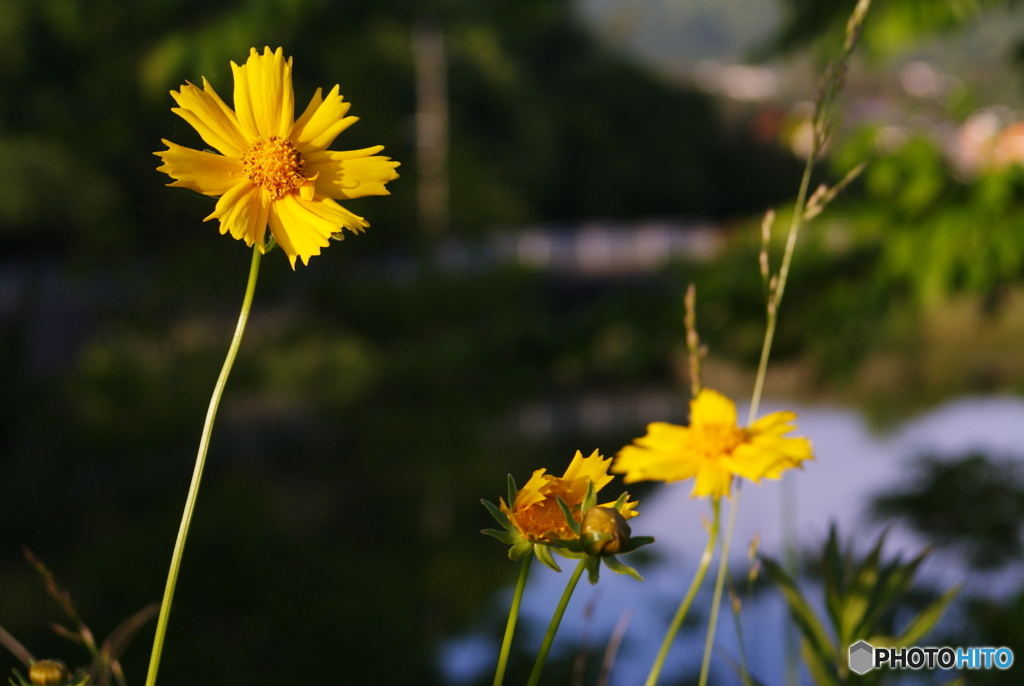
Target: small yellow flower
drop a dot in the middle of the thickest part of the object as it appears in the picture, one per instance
(714, 448)
(274, 169)
(535, 512)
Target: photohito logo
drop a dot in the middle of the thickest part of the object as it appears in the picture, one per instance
(864, 657)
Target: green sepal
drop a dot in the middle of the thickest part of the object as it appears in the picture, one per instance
(506, 537)
(520, 549)
(498, 515)
(635, 542)
(567, 513)
(271, 244)
(590, 500)
(621, 501)
(573, 551)
(544, 555)
(613, 564)
(20, 679)
(593, 565)
(512, 490)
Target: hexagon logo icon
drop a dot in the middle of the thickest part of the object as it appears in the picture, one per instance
(862, 657)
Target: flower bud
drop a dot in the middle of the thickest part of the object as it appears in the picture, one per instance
(604, 531)
(48, 673)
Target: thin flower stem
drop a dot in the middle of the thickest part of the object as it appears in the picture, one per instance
(513, 615)
(775, 297)
(716, 602)
(684, 606)
(197, 473)
(556, 619)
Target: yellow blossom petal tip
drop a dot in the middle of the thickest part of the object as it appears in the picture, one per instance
(273, 170)
(713, 448)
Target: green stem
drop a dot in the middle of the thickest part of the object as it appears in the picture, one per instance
(723, 567)
(775, 297)
(684, 606)
(513, 615)
(197, 473)
(549, 637)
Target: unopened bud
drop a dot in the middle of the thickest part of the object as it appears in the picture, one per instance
(604, 531)
(48, 673)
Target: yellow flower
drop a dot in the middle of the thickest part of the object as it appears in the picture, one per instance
(535, 512)
(714, 448)
(274, 169)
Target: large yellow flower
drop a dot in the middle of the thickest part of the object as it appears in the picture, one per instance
(714, 448)
(535, 512)
(274, 169)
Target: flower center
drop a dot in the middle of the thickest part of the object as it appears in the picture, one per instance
(544, 518)
(273, 163)
(716, 440)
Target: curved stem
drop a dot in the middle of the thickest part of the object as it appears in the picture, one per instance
(684, 606)
(549, 637)
(197, 473)
(513, 615)
(716, 602)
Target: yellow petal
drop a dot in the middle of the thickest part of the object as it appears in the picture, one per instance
(317, 128)
(264, 98)
(642, 464)
(208, 115)
(351, 174)
(581, 472)
(712, 481)
(628, 509)
(775, 423)
(711, 407)
(247, 218)
(532, 492)
(302, 227)
(204, 172)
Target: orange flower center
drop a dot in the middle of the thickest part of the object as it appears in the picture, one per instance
(544, 521)
(716, 440)
(273, 163)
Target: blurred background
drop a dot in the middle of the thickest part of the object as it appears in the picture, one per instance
(568, 166)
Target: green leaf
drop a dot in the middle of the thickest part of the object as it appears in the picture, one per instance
(818, 668)
(801, 611)
(613, 564)
(858, 598)
(896, 584)
(498, 515)
(833, 577)
(567, 513)
(512, 490)
(544, 555)
(593, 565)
(921, 624)
(505, 537)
